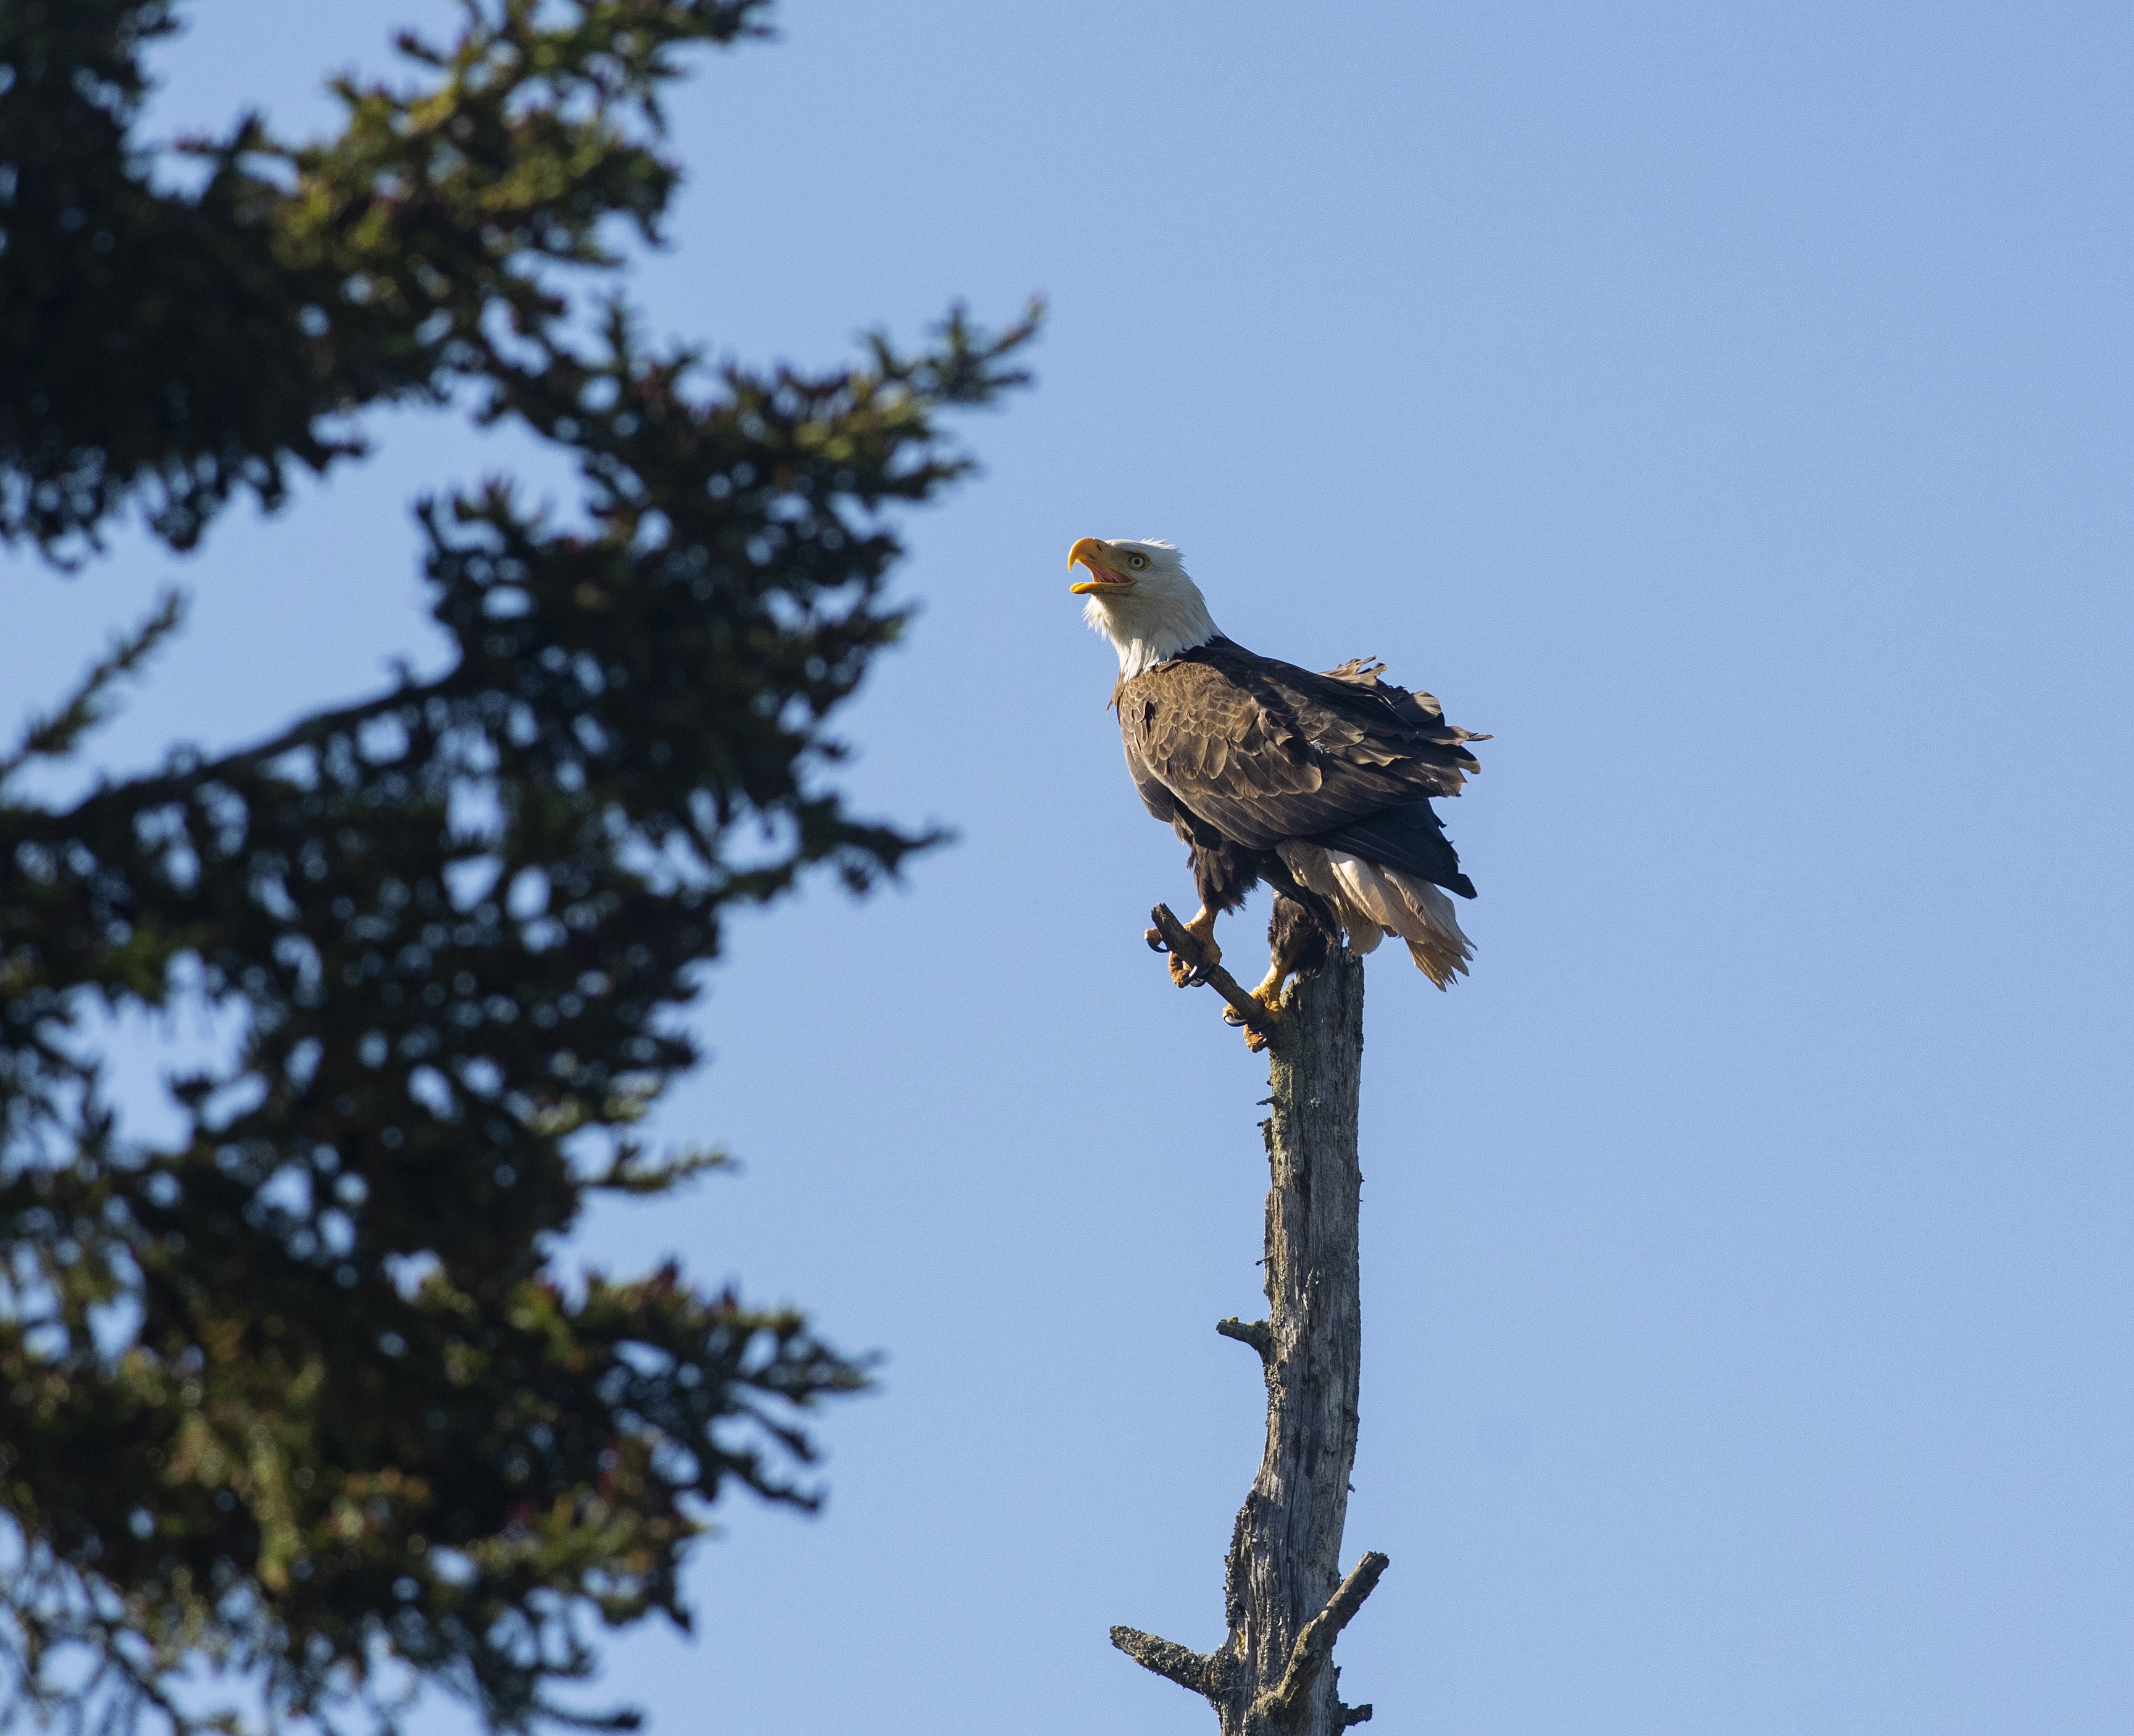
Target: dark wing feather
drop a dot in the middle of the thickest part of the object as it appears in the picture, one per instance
(1264, 750)
(1411, 839)
(1154, 796)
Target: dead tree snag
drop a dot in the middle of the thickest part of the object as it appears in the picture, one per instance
(1284, 1596)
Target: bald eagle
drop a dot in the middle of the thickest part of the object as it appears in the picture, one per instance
(1318, 784)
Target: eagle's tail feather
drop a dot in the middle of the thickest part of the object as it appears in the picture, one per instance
(1373, 902)
(1441, 951)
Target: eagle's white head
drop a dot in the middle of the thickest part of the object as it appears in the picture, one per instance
(1141, 600)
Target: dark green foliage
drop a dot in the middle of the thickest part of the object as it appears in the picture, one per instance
(383, 263)
(302, 1395)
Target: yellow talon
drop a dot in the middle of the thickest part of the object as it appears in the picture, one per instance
(1202, 928)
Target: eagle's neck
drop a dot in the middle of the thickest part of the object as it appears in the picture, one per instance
(1155, 624)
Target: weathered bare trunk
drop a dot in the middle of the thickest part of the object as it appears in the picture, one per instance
(1284, 1593)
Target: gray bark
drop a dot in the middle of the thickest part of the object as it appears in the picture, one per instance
(1284, 1593)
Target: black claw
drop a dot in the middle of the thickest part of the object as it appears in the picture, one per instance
(1154, 937)
(1231, 1016)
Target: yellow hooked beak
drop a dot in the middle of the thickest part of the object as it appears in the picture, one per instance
(1103, 576)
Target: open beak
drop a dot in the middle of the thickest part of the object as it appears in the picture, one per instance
(1103, 576)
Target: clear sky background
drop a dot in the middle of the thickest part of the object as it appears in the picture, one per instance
(1727, 406)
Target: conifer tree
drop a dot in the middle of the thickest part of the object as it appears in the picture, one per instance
(302, 1399)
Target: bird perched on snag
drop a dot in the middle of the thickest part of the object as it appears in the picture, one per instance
(1320, 784)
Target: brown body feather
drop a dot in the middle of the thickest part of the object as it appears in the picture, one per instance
(1241, 754)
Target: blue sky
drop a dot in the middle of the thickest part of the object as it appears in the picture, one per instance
(1728, 407)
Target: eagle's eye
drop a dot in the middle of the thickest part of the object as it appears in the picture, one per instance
(1136, 561)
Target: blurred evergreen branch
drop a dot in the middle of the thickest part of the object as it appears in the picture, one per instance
(57, 735)
(300, 1399)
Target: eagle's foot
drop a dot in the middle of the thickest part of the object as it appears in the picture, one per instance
(1186, 972)
(1255, 1041)
(1268, 993)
